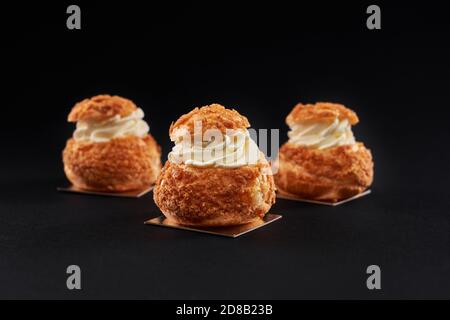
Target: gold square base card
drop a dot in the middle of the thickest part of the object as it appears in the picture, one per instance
(232, 231)
(128, 194)
(287, 196)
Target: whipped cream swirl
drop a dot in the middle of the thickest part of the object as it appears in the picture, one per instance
(116, 127)
(231, 150)
(321, 135)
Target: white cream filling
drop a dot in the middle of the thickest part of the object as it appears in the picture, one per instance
(116, 127)
(321, 135)
(234, 149)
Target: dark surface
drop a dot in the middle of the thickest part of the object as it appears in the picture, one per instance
(261, 61)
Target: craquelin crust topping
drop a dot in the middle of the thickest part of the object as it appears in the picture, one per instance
(321, 111)
(101, 107)
(213, 116)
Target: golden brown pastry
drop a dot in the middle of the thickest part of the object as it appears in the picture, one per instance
(215, 174)
(322, 160)
(111, 149)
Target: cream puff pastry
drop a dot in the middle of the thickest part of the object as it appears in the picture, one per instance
(215, 174)
(322, 160)
(111, 149)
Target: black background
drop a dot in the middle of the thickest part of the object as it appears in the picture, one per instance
(260, 59)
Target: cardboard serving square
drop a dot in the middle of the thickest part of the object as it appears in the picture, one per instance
(287, 196)
(232, 232)
(128, 194)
